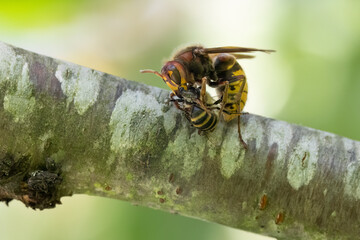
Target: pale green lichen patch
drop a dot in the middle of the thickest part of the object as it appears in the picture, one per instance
(214, 137)
(20, 103)
(191, 160)
(280, 133)
(44, 139)
(271, 226)
(212, 152)
(303, 162)
(11, 65)
(351, 149)
(104, 188)
(97, 186)
(325, 192)
(129, 196)
(170, 120)
(351, 179)
(132, 119)
(253, 130)
(349, 144)
(333, 214)
(18, 99)
(244, 205)
(232, 155)
(129, 177)
(79, 84)
(58, 156)
(215, 140)
(110, 160)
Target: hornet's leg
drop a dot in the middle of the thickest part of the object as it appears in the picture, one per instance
(224, 98)
(203, 90)
(222, 63)
(239, 132)
(202, 97)
(175, 101)
(239, 94)
(238, 99)
(217, 101)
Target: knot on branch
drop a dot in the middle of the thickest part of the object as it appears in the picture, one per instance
(40, 187)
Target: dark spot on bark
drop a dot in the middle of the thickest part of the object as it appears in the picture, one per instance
(352, 155)
(263, 202)
(179, 190)
(107, 187)
(7, 163)
(44, 79)
(67, 73)
(119, 91)
(279, 218)
(145, 163)
(319, 220)
(272, 155)
(51, 165)
(303, 159)
(171, 178)
(161, 200)
(11, 165)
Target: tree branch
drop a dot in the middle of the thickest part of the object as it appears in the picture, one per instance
(67, 129)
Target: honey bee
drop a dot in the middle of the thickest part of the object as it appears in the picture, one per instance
(193, 68)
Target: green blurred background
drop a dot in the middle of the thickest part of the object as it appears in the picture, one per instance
(312, 80)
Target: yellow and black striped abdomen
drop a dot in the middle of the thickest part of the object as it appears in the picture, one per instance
(202, 119)
(233, 101)
(228, 69)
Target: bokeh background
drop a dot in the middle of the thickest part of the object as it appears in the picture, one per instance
(313, 79)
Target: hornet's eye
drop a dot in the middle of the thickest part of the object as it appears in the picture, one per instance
(174, 74)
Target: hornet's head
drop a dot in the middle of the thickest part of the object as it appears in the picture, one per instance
(173, 74)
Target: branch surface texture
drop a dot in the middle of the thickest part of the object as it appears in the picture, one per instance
(66, 129)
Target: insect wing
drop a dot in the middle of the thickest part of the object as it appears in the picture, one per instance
(231, 49)
(242, 56)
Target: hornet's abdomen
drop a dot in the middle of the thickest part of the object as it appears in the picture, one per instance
(228, 69)
(202, 119)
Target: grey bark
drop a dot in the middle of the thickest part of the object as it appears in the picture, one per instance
(67, 129)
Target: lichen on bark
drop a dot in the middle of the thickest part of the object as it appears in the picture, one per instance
(120, 139)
